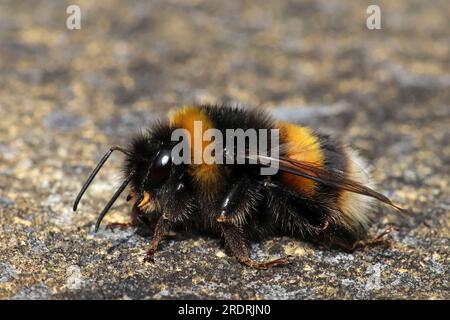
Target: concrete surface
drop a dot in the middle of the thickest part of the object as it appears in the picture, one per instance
(66, 96)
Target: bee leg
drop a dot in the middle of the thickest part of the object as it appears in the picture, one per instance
(373, 241)
(236, 243)
(143, 222)
(162, 229)
(119, 225)
(239, 200)
(140, 219)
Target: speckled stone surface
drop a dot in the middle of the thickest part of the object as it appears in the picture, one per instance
(65, 96)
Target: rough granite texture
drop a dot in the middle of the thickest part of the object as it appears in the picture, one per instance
(66, 96)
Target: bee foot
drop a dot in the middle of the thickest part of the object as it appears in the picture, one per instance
(150, 256)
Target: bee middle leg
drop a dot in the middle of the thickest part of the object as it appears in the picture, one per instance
(239, 201)
(237, 244)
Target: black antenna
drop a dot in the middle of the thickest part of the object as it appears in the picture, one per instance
(94, 173)
(111, 202)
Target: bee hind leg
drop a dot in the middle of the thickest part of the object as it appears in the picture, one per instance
(378, 239)
(361, 244)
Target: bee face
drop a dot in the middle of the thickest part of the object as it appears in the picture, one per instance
(156, 181)
(150, 174)
(149, 161)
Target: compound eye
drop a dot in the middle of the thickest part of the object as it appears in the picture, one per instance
(160, 168)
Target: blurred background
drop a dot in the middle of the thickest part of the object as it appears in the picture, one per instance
(67, 95)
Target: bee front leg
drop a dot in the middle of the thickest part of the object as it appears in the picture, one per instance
(137, 218)
(121, 225)
(141, 219)
(162, 229)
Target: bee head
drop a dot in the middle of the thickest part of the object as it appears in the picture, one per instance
(157, 181)
(148, 165)
(149, 162)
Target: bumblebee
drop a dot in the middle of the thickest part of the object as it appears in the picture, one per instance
(321, 192)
